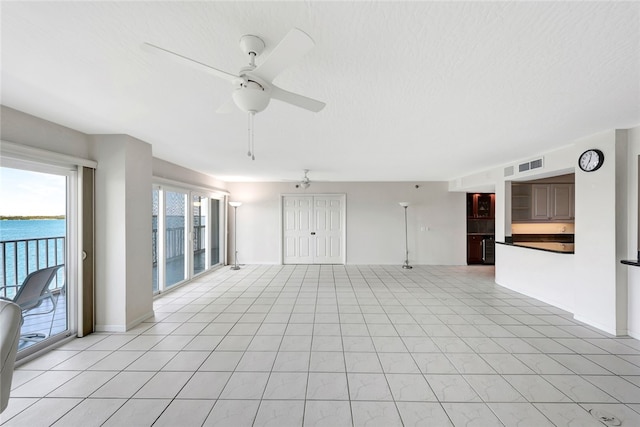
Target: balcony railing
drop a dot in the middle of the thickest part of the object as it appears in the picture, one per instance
(18, 258)
(174, 242)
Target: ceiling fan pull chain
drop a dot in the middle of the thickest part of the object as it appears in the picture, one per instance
(249, 128)
(251, 146)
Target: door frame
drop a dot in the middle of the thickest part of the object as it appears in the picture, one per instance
(343, 249)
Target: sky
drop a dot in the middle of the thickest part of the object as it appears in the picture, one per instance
(25, 193)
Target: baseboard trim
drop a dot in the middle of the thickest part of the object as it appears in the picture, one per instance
(128, 326)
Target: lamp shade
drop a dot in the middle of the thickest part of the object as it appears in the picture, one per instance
(403, 204)
(235, 204)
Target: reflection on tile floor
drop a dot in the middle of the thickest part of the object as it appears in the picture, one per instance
(338, 346)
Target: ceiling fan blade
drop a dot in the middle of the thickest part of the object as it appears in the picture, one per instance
(228, 107)
(290, 49)
(192, 62)
(297, 100)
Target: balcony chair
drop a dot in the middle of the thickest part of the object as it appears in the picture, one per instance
(31, 294)
(10, 319)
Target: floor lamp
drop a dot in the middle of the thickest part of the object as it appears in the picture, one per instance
(235, 206)
(405, 205)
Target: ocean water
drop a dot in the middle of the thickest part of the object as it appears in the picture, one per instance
(19, 259)
(31, 229)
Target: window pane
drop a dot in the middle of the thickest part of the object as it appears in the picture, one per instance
(199, 233)
(175, 237)
(155, 209)
(215, 232)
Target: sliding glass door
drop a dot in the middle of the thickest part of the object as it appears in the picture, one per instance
(186, 235)
(37, 226)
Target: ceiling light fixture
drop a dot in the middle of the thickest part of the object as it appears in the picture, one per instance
(306, 182)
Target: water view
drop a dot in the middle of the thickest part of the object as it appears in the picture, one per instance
(29, 245)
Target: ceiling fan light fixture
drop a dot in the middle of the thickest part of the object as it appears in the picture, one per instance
(251, 97)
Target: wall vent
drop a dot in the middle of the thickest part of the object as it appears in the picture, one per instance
(508, 171)
(536, 164)
(530, 165)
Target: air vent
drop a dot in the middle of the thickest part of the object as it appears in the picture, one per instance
(508, 171)
(533, 164)
(536, 164)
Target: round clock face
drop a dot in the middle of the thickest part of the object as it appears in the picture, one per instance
(591, 160)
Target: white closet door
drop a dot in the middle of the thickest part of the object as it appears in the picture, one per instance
(297, 228)
(313, 229)
(329, 226)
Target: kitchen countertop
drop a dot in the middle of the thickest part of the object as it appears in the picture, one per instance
(557, 247)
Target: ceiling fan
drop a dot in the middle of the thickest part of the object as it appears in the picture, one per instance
(253, 85)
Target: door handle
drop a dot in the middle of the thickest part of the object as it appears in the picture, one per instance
(313, 233)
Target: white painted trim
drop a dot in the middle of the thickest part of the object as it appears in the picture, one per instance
(128, 326)
(110, 328)
(27, 153)
(597, 325)
(136, 322)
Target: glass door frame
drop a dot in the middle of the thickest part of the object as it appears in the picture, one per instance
(189, 237)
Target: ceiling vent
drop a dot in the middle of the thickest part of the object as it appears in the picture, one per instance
(508, 171)
(530, 165)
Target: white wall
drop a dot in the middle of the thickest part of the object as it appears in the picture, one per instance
(545, 276)
(123, 230)
(375, 221)
(633, 273)
(25, 129)
(173, 172)
(595, 286)
(595, 238)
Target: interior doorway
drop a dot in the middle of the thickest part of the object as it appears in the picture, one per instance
(314, 229)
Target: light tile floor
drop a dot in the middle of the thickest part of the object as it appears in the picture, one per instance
(338, 346)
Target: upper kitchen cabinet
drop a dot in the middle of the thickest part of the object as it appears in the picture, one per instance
(543, 200)
(562, 202)
(552, 202)
(481, 205)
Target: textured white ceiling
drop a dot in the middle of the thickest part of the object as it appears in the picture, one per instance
(414, 90)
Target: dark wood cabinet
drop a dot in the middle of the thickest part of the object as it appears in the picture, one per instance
(481, 205)
(474, 249)
(481, 211)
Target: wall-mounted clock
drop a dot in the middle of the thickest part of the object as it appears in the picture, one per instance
(591, 160)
